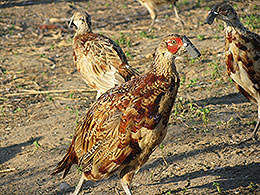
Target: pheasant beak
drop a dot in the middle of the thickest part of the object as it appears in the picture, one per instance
(212, 15)
(191, 49)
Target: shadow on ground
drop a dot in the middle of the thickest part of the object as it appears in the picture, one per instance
(9, 152)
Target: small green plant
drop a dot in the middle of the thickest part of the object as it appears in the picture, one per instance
(52, 47)
(207, 8)
(252, 186)
(189, 110)
(216, 70)
(251, 122)
(128, 54)
(193, 61)
(198, 4)
(145, 34)
(79, 169)
(161, 146)
(203, 113)
(71, 95)
(17, 110)
(182, 81)
(193, 82)
(185, 2)
(2, 111)
(218, 187)
(74, 111)
(3, 70)
(11, 27)
(252, 21)
(43, 55)
(201, 37)
(37, 145)
(221, 27)
(50, 98)
(107, 4)
(122, 40)
(219, 123)
(235, 6)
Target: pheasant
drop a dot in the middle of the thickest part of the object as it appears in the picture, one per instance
(153, 5)
(242, 54)
(100, 61)
(123, 127)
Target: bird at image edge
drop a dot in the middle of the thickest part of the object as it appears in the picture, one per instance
(242, 54)
(124, 126)
(153, 5)
(100, 61)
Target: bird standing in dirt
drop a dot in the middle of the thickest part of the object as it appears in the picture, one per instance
(100, 61)
(242, 54)
(153, 5)
(124, 126)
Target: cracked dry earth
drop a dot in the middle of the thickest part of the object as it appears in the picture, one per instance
(42, 97)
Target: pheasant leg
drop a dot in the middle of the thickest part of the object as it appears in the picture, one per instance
(254, 133)
(178, 17)
(126, 177)
(79, 186)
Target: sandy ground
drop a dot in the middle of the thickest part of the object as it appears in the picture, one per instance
(42, 97)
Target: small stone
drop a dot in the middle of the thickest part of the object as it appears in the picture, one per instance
(64, 186)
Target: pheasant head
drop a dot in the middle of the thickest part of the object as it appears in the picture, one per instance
(82, 21)
(169, 48)
(225, 12)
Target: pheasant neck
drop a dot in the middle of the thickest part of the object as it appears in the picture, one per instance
(84, 29)
(235, 24)
(163, 64)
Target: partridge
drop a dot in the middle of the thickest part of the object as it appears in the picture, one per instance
(100, 61)
(124, 126)
(242, 54)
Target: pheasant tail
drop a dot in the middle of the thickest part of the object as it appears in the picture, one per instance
(65, 164)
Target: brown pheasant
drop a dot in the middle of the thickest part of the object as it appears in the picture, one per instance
(153, 5)
(100, 61)
(242, 54)
(124, 126)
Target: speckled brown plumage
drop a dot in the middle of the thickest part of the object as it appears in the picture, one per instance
(153, 5)
(242, 54)
(100, 61)
(124, 126)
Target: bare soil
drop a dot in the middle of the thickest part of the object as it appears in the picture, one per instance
(43, 96)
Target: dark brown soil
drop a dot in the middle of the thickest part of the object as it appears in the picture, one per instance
(42, 97)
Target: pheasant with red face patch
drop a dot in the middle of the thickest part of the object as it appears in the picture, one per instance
(100, 61)
(242, 54)
(123, 127)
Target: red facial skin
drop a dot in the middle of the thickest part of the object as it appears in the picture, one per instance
(174, 44)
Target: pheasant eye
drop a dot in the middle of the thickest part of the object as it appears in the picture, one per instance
(223, 11)
(173, 42)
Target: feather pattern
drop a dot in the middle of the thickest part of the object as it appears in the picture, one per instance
(242, 54)
(122, 128)
(100, 61)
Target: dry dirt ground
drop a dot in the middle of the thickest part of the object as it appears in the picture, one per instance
(42, 98)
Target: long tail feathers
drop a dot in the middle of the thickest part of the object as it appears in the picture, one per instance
(65, 164)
